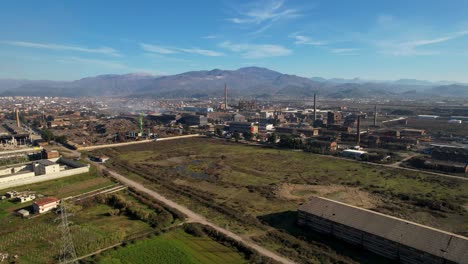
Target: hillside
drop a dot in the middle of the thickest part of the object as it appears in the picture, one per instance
(245, 82)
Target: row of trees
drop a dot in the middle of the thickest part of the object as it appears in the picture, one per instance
(48, 135)
(132, 209)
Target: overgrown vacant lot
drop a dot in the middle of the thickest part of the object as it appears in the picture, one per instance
(175, 246)
(250, 189)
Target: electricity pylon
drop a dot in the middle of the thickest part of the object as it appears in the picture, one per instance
(67, 250)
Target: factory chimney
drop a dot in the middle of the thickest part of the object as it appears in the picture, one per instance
(358, 136)
(315, 108)
(225, 97)
(375, 115)
(17, 118)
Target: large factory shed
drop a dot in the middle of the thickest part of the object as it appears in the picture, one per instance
(391, 237)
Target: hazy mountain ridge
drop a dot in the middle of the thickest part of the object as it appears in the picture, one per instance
(248, 82)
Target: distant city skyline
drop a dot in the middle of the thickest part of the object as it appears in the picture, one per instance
(375, 40)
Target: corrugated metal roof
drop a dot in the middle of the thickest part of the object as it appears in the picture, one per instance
(436, 242)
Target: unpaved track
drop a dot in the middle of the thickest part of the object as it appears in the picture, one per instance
(194, 217)
(114, 145)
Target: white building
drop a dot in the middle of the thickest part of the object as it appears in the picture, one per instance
(26, 198)
(45, 204)
(44, 167)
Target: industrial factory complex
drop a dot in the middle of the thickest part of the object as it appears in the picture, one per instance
(366, 147)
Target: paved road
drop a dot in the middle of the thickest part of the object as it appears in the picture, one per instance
(194, 217)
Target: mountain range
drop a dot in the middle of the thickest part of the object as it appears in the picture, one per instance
(244, 82)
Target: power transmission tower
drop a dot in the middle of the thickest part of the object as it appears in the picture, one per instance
(67, 250)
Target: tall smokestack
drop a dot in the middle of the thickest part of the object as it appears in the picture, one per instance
(315, 108)
(358, 129)
(225, 97)
(375, 115)
(17, 118)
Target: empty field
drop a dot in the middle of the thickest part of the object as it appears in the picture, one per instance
(243, 187)
(175, 246)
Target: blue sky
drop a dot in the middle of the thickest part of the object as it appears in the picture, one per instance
(375, 39)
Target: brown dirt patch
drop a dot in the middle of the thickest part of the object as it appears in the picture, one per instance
(345, 194)
(170, 161)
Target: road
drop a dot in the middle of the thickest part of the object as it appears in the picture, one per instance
(194, 217)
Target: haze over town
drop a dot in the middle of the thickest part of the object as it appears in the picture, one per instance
(265, 131)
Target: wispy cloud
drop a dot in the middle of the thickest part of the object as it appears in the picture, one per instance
(203, 52)
(345, 51)
(110, 65)
(254, 51)
(265, 11)
(304, 40)
(424, 42)
(210, 37)
(101, 63)
(51, 46)
(413, 47)
(173, 50)
(157, 49)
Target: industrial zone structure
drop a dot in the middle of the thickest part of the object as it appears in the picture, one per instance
(391, 237)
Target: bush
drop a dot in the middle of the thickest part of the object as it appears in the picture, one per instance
(194, 230)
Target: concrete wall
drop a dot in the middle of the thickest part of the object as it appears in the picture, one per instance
(12, 169)
(13, 182)
(16, 177)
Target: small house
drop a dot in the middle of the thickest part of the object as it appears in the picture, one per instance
(45, 204)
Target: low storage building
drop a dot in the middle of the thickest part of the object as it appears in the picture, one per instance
(45, 204)
(243, 127)
(23, 213)
(391, 237)
(26, 198)
(44, 167)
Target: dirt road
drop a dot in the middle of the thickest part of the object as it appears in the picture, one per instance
(134, 142)
(194, 217)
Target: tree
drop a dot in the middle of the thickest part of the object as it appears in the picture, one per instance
(248, 135)
(272, 138)
(47, 135)
(236, 136)
(219, 132)
(61, 139)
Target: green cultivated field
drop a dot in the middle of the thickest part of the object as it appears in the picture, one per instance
(175, 246)
(37, 240)
(250, 189)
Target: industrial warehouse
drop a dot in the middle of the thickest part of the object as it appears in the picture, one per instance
(391, 237)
